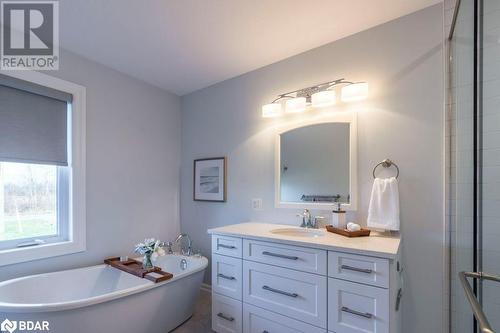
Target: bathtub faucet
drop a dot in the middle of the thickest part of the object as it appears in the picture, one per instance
(168, 246)
(184, 250)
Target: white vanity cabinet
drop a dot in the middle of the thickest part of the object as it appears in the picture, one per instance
(270, 285)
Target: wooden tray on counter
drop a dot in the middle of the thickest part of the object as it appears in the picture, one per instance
(344, 232)
(134, 267)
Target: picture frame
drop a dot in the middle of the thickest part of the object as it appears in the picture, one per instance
(209, 179)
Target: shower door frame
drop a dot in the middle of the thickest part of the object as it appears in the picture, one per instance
(477, 145)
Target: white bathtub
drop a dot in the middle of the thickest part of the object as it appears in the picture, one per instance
(104, 299)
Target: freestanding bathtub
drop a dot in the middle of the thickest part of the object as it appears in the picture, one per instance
(103, 299)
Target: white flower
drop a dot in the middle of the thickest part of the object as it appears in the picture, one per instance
(150, 246)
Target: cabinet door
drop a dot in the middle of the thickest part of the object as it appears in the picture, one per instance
(359, 268)
(257, 320)
(227, 246)
(294, 257)
(226, 276)
(226, 314)
(288, 292)
(357, 308)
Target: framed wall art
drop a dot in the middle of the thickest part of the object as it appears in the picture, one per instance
(209, 179)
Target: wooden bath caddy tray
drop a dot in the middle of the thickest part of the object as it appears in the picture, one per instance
(134, 267)
(347, 233)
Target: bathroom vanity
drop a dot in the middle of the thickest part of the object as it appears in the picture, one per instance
(269, 278)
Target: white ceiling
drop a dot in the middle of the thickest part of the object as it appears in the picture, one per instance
(186, 45)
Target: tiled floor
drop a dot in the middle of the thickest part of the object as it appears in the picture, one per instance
(201, 321)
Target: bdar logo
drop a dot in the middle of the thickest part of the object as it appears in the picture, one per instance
(8, 326)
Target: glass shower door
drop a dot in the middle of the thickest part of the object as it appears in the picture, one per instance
(489, 66)
(474, 160)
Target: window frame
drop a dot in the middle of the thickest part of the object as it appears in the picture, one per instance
(73, 239)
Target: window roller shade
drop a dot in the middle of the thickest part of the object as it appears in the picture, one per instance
(33, 123)
(34, 88)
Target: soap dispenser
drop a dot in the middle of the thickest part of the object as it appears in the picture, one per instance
(338, 217)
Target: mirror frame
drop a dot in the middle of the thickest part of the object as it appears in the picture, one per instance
(341, 117)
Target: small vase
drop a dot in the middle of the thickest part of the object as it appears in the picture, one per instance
(147, 264)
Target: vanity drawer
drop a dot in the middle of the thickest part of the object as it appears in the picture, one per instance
(227, 246)
(358, 268)
(299, 295)
(226, 314)
(294, 257)
(357, 308)
(257, 320)
(226, 276)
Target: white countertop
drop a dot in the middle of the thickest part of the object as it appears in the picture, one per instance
(377, 244)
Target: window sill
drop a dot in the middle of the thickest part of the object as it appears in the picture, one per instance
(19, 255)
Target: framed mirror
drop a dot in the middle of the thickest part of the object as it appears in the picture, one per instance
(315, 164)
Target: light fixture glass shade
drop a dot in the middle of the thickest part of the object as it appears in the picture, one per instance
(272, 110)
(355, 92)
(323, 98)
(297, 104)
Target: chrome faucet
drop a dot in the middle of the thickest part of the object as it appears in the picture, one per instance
(184, 251)
(168, 246)
(306, 219)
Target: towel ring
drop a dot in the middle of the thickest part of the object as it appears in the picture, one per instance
(387, 163)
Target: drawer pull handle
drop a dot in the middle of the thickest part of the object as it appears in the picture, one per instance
(266, 253)
(226, 277)
(277, 291)
(356, 269)
(227, 246)
(223, 316)
(357, 313)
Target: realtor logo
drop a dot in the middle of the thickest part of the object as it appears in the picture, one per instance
(30, 35)
(8, 326)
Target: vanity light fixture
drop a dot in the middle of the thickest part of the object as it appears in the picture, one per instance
(323, 98)
(317, 96)
(272, 110)
(295, 105)
(355, 92)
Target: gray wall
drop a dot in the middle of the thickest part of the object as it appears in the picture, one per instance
(133, 154)
(403, 120)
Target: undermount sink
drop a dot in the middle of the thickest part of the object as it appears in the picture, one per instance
(298, 232)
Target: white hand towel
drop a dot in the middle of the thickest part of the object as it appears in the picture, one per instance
(383, 212)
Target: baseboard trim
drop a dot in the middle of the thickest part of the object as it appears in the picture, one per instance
(206, 287)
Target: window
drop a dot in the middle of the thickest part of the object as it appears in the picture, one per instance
(42, 174)
(32, 211)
